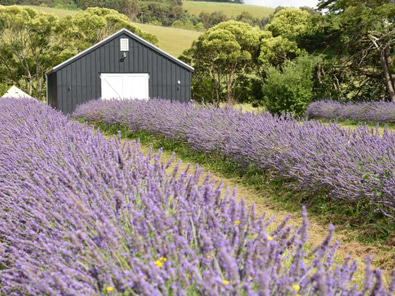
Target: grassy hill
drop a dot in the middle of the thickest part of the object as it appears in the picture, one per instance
(171, 40)
(175, 41)
(229, 9)
(56, 11)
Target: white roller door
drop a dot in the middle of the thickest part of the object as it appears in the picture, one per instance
(124, 86)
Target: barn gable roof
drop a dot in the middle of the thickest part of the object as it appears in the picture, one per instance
(115, 35)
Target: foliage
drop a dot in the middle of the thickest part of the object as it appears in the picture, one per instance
(212, 19)
(289, 88)
(225, 52)
(274, 51)
(366, 34)
(105, 218)
(288, 23)
(29, 47)
(94, 24)
(379, 112)
(183, 25)
(164, 13)
(354, 167)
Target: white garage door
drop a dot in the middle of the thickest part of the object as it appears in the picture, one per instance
(124, 86)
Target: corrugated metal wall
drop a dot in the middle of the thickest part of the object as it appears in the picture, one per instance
(79, 81)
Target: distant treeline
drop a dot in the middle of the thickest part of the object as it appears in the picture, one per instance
(158, 12)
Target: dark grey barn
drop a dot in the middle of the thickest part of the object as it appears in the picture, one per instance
(121, 66)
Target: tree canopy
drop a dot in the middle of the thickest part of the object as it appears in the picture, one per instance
(288, 23)
(32, 42)
(366, 34)
(224, 52)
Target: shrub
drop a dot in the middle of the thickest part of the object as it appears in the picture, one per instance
(289, 88)
(83, 215)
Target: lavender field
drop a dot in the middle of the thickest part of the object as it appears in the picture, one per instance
(355, 168)
(379, 112)
(84, 215)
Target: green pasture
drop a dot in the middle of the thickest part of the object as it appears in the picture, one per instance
(56, 11)
(229, 9)
(171, 40)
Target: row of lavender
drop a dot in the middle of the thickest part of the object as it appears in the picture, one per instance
(354, 166)
(83, 215)
(381, 112)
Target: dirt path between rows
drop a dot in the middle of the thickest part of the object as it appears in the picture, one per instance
(383, 256)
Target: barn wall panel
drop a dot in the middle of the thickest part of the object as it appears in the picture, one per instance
(79, 81)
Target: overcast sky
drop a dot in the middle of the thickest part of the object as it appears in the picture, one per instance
(285, 3)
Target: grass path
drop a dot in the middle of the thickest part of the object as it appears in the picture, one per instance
(383, 256)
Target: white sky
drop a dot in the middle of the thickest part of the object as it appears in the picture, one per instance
(285, 3)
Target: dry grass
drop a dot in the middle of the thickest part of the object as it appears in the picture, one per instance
(229, 9)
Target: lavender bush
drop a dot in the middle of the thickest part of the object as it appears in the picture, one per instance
(381, 112)
(357, 167)
(83, 215)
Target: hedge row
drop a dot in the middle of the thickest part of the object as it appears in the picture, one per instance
(83, 215)
(356, 167)
(380, 112)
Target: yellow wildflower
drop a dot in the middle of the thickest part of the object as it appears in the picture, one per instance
(270, 238)
(250, 278)
(278, 148)
(296, 287)
(109, 289)
(158, 263)
(225, 282)
(163, 259)
(237, 222)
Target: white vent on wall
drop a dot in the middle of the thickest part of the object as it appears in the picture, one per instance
(124, 44)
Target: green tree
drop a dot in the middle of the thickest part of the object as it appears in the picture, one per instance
(367, 34)
(224, 53)
(289, 23)
(94, 24)
(289, 87)
(30, 44)
(215, 18)
(276, 50)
